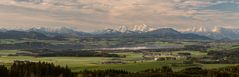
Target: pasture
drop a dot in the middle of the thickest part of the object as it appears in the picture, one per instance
(133, 62)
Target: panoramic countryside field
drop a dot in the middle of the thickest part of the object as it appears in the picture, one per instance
(119, 38)
(133, 61)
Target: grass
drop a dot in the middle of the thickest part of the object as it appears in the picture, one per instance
(7, 52)
(92, 63)
(194, 53)
(72, 62)
(130, 56)
(213, 66)
(133, 67)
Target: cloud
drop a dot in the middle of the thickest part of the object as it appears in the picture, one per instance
(89, 14)
(223, 6)
(30, 1)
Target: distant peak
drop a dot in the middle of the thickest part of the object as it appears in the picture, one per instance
(123, 28)
(55, 30)
(216, 29)
(203, 29)
(135, 28)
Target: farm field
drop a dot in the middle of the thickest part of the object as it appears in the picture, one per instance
(133, 63)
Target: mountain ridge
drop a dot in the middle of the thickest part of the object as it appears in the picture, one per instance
(142, 31)
(216, 32)
(128, 29)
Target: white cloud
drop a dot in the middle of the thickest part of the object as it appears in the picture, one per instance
(100, 13)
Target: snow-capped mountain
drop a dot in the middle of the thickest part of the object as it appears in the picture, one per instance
(129, 29)
(60, 31)
(55, 30)
(106, 31)
(137, 31)
(202, 29)
(144, 31)
(216, 32)
(135, 28)
(51, 31)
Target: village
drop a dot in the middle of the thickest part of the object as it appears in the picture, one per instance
(151, 56)
(166, 56)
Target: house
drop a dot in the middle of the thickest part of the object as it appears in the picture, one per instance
(184, 55)
(162, 57)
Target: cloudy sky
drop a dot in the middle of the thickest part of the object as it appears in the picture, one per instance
(89, 15)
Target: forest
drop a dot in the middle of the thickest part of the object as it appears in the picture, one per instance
(32, 69)
(66, 53)
(44, 69)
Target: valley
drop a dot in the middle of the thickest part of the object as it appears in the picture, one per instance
(176, 54)
(119, 38)
(131, 51)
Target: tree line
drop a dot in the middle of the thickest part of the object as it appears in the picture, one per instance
(43, 69)
(166, 72)
(66, 53)
(32, 69)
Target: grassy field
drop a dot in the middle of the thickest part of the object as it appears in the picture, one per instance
(194, 53)
(7, 52)
(213, 66)
(89, 63)
(92, 63)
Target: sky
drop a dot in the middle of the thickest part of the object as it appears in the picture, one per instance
(90, 15)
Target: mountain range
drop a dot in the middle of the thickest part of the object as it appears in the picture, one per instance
(127, 29)
(62, 31)
(218, 33)
(136, 31)
(40, 33)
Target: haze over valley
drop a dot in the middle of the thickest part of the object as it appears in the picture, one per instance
(119, 38)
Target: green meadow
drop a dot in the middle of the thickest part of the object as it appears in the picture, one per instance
(93, 63)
